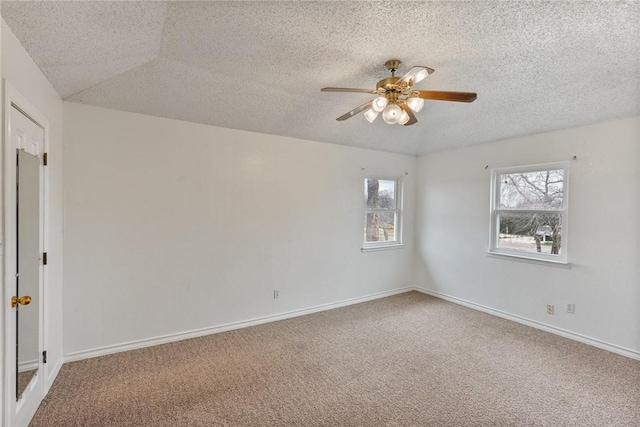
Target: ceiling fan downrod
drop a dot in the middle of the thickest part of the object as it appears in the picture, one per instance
(393, 65)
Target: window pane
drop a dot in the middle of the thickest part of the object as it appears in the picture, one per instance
(532, 190)
(530, 232)
(380, 227)
(380, 193)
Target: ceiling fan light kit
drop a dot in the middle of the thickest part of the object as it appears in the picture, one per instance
(379, 103)
(396, 100)
(391, 113)
(404, 118)
(371, 114)
(415, 103)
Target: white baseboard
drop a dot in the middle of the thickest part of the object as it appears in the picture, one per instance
(28, 365)
(535, 324)
(148, 342)
(53, 373)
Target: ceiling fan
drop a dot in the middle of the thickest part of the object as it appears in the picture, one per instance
(396, 100)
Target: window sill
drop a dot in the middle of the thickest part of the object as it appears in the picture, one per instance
(381, 248)
(531, 260)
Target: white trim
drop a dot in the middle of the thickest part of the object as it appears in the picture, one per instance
(27, 366)
(530, 260)
(133, 345)
(627, 352)
(148, 342)
(53, 373)
(382, 247)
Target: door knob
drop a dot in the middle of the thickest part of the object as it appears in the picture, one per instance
(25, 300)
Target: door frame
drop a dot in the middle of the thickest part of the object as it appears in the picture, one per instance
(8, 263)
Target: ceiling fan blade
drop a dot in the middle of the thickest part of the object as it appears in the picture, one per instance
(447, 96)
(346, 89)
(355, 111)
(415, 75)
(412, 117)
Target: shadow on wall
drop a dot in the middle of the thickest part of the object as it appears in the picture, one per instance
(422, 277)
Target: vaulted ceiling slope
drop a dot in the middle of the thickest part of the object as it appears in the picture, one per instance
(259, 66)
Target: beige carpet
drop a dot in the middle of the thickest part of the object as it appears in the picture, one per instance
(406, 360)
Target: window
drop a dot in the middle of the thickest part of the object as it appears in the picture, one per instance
(529, 211)
(382, 213)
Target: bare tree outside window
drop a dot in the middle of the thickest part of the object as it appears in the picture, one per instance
(381, 211)
(530, 208)
(543, 191)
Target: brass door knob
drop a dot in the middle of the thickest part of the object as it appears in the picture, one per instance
(25, 300)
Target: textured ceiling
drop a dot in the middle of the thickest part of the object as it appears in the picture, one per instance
(259, 66)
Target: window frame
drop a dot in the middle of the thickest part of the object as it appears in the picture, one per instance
(398, 190)
(495, 211)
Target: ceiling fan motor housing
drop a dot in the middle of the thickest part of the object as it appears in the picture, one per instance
(391, 91)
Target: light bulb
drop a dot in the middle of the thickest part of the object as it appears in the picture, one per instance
(391, 114)
(415, 103)
(370, 115)
(404, 118)
(379, 103)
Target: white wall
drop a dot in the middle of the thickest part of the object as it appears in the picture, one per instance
(453, 231)
(3, 294)
(173, 226)
(24, 75)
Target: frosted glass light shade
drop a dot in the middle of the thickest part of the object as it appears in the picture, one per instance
(415, 103)
(379, 103)
(391, 114)
(370, 115)
(404, 118)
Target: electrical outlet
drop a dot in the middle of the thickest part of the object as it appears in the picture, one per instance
(550, 309)
(276, 294)
(571, 308)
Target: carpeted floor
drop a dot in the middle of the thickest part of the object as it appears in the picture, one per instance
(406, 360)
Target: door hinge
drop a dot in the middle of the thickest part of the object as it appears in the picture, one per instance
(44, 258)
(45, 159)
(44, 356)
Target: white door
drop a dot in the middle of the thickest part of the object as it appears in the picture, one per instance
(24, 268)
